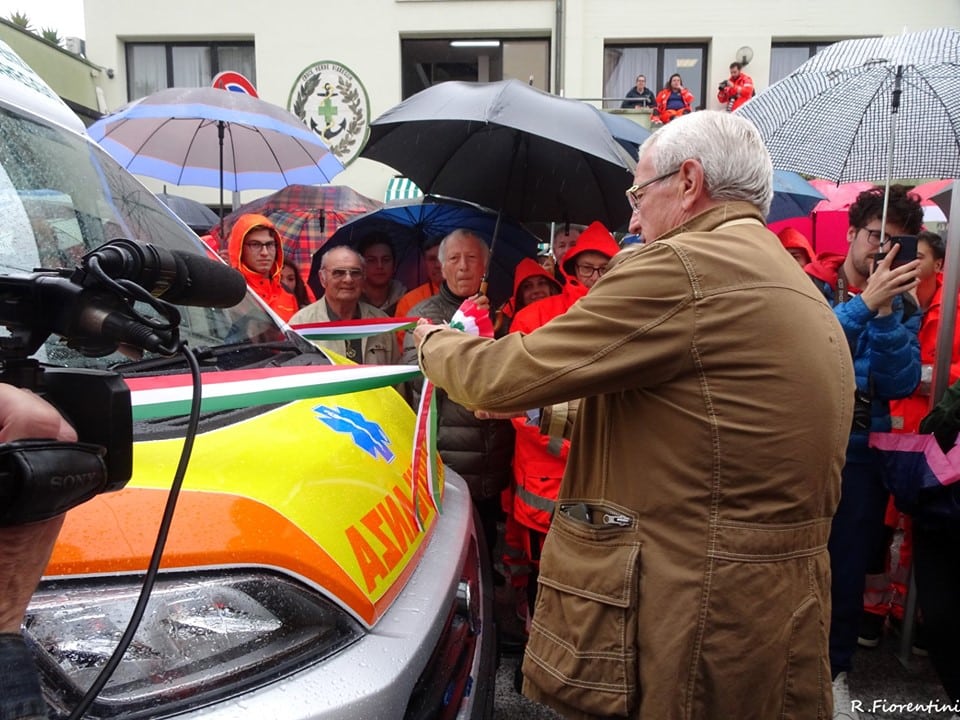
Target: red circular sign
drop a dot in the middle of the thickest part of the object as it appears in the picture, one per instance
(234, 82)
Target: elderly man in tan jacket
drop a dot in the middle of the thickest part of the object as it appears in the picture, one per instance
(686, 572)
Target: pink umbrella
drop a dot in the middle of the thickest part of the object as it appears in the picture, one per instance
(838, 197)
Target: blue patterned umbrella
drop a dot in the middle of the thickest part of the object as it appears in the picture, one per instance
(215, 138)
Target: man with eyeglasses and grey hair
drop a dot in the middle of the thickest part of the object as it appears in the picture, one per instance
(341, 277)
(685, 573)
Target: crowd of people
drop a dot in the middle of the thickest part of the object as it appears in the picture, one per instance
(692, 520)
(675, 100)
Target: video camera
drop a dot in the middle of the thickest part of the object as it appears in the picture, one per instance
(724, 85)
(92, 307)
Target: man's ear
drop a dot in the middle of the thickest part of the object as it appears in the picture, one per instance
(691, 183)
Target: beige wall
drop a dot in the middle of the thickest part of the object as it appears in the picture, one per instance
(365, 36)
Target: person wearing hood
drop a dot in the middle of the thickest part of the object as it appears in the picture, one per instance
(256, 251)
(531, 282)
(582, 267)
(539, 459)
(796, 243)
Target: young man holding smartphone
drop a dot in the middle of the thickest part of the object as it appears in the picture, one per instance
(872, 302)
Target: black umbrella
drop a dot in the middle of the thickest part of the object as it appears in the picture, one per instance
(197, 216)
(505, 145)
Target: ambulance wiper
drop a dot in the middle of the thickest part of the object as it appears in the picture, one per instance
(207, 356)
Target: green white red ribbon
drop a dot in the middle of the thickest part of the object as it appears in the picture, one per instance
(470, 319)
(353, 329)
(170, 395)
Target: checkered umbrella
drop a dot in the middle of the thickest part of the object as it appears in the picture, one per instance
(874, 109)
(305, 216)
(868, 109)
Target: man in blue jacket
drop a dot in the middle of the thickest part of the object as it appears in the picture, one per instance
(872, 301)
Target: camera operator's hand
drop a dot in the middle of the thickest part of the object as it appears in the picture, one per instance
(886, 282)
(25, 549)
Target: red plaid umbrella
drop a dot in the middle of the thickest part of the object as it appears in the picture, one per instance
(305, 216)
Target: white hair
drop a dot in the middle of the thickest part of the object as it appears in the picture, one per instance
(463, 232)
(357, 256)
(736, 163)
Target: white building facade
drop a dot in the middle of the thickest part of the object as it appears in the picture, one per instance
(340, 65)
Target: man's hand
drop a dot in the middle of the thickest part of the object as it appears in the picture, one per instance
(886, 282)
(424, 327)
(25, 549)
(24, 415)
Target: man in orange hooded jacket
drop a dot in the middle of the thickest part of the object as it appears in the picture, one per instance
(539, 460)
(256, 251)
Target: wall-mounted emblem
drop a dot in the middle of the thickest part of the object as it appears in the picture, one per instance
(333, 103)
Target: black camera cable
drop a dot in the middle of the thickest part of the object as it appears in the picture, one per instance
(154, 567)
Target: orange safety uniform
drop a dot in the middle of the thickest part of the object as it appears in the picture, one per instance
(664, 114)
(736, 92)
(539, 460)
(268, 287)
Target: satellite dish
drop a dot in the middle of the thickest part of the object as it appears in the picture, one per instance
(745, 55)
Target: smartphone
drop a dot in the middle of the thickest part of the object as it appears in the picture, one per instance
(906, 253)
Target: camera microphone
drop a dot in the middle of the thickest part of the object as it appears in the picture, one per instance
(181, 278)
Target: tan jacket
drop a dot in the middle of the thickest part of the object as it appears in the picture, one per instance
(718, 392)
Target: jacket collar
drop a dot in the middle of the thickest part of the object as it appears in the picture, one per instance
(734, 210)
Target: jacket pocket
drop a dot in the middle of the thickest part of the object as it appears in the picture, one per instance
(583, 640)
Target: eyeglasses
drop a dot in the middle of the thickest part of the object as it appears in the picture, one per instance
(261, 246)
(875, 237)
(341, 273)
(588, 271)
(634, 192)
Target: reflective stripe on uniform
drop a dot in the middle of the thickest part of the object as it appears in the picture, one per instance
(537, 502)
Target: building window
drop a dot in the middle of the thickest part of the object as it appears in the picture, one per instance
(788, 56)
(155, 66)
(426, 62)
(622, 64)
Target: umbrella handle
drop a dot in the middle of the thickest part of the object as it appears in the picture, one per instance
(483, 285)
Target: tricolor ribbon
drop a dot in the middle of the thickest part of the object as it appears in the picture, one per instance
(170, 395)
(470, 319)
(353, 329)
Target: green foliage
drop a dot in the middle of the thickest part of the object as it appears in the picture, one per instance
(21, 21)
(51, 35)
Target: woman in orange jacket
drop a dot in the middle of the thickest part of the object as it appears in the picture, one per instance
(673, 101)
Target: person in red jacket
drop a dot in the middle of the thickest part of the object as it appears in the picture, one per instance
(796, 243)
(539, 460)
(737, 89)
(672, 102)
(256, 251)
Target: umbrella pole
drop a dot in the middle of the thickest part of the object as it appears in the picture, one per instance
(894, 110)
(493, 244)
(496, 227)
(220, 126)
(948, 311)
